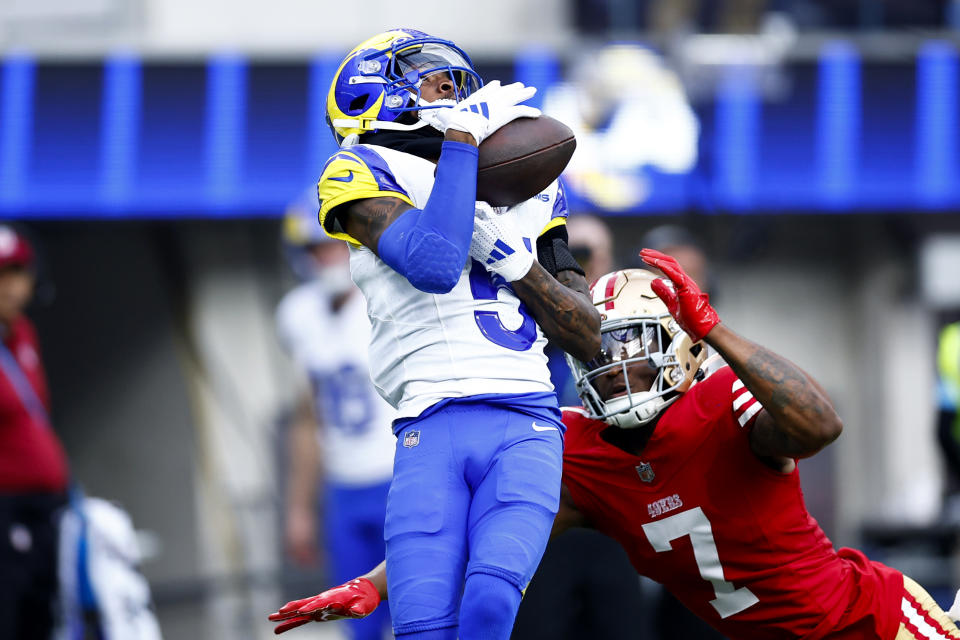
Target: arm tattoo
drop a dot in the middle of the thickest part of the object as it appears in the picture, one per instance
(788, 382)
(575, 281)
(563, 311)
(792, 388)
(798, 418)
(367, 219)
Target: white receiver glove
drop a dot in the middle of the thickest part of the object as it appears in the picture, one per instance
(497, 243)
(484, 111)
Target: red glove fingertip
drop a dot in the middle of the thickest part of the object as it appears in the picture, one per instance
(292, 623)
(312, 605)
(293, 605)
(657, 259)
(663, 288)
(652, 253)
(666, 292)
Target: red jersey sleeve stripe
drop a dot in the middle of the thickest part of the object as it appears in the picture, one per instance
(742, 399)
(745, 406)
(749, 414)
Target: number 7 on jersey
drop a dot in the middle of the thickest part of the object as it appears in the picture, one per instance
(694, 523)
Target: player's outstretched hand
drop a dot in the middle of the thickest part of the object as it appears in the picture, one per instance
(355, 599)
(484, 111)
(497, 243)
(688, 305)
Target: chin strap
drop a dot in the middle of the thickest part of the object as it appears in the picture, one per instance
(632, 410)
(369, 124)
(639, 408)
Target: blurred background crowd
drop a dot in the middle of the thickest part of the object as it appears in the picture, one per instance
(803, 156)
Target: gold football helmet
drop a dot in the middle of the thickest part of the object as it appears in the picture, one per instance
(636, 327)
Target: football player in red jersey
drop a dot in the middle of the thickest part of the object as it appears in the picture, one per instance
(690, 464)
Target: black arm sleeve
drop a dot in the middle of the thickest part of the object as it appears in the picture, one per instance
(554, 255)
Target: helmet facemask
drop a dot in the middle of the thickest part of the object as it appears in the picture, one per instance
(403, 71)
(415, 64)
(636, 329)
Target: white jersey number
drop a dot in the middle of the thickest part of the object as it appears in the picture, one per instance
(343, 399)
(694, 523)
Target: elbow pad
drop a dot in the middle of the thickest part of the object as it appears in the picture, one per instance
(430, 246)
(428, 261)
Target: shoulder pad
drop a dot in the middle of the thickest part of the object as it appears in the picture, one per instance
(355, 173)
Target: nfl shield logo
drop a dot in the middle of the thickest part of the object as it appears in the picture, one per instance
(411, 439)
(646, 472)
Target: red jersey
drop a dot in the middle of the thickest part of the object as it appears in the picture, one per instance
(728, 536)
(31, 457)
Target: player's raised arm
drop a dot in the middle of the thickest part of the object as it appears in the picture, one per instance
(798, 419)
(429, 246)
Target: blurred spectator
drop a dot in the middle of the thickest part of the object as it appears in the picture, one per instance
(727, 16)
(591, 243)
(747, 16)
(33, 466)
(323, 325)
(680, 243)
(670, 16)
(948, 419)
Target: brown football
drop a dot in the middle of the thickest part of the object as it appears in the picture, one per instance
(521, 158)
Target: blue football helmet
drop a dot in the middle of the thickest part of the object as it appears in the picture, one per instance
(301, 230)
(380, 80)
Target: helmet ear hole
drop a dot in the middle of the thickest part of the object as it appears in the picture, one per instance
(359, 103)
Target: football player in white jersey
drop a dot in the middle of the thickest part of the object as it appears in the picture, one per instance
(461, 299)
(323, 325)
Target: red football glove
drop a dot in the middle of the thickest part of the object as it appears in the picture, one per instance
(355, 599)
(689, 306)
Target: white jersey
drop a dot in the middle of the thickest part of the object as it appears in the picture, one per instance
(331, 347)
(476, 339)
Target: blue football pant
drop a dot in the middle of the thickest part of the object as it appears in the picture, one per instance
(475, 491)
(354, 543)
